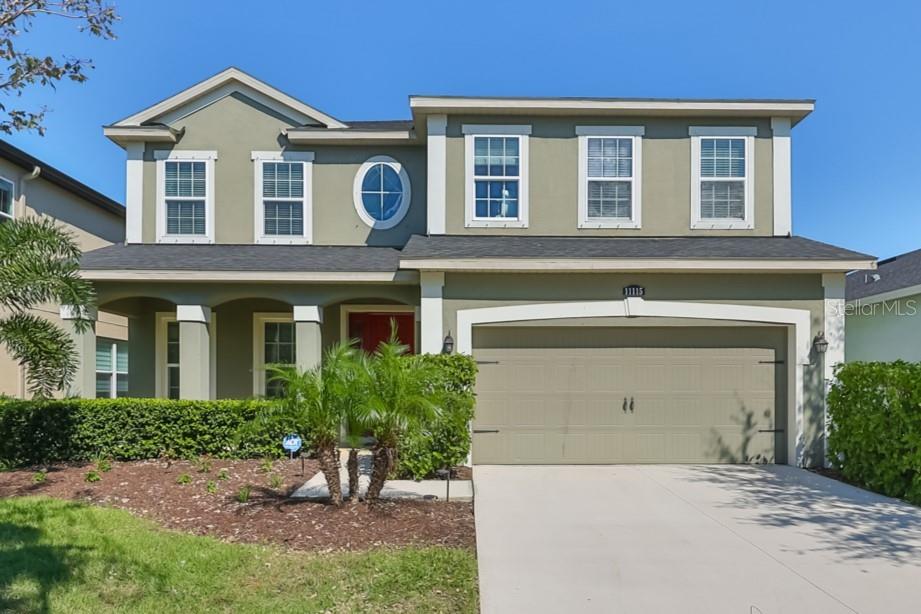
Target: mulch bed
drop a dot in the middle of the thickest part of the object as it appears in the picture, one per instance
(150, 489)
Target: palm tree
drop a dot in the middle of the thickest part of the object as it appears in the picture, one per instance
(40, 264)
(318, 401)
(398, 397)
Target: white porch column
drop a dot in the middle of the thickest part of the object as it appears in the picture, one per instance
(432, 311)
(84, 382)
(833, 283)
(195, 352)
(134, 192)
(308, 339)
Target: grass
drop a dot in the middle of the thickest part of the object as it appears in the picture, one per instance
(63, 556)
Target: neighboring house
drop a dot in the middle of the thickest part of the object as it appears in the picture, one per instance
(622, 268)
(882, 316)
(30, 187)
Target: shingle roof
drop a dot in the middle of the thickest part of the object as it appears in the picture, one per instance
(457, 246)
(306, 258)
(894, 274)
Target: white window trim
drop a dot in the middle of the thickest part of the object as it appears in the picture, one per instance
(208, 157)
(160, 371)
(520, 131)
(748, 134)
(259, 321)
(114, 372)
(635, 134)
(404, 183)
(13, 196)
(306, 158)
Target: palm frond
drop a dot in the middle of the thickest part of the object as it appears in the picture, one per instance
(46, 351)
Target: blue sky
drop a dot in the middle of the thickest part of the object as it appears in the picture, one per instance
(857, 158)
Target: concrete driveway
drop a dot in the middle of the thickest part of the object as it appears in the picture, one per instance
(708, 539)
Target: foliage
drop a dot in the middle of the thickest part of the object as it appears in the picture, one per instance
(104, 465)
(223, 475)
(41, 265)
(266, 465)
(211, 487)
(183, 479)
(24, 69)
(875, 427)
(276, 481)
(48, 431)
(243, 493)
(444, 441)
(62, 556)
(92, 476)
(203, 465)
(40, 477)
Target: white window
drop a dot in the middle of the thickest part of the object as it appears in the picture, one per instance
(722, 182)
(111, 368)
(7, 200)
(283, 197)
(610, 186)
(496, 171)
(382, 192)
(273, 344)
(185, 196)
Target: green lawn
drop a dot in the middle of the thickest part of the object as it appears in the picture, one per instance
(61, 556)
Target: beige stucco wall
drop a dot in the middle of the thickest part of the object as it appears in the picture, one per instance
(235, 127)
(553, 176)
(885, 331)
(91, 226)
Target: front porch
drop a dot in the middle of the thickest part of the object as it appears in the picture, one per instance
(206, 340)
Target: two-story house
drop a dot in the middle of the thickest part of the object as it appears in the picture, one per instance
(32, 188)
(622, 269)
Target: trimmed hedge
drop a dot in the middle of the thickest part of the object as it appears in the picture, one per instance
(875, 432)
(445, 442)
(40, 432)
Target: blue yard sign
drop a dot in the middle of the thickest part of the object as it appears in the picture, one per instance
(291, 443)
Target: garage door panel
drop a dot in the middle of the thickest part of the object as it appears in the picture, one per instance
(558, 404)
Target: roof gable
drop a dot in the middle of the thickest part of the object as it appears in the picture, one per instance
(226, 83)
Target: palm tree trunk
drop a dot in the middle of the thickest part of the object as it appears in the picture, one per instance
(328, 457)
(353, 475)
(383, 463)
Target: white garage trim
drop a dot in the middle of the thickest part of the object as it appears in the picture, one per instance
(797, 321)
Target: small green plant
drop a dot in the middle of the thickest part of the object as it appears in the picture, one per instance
(223, 475)
(104, 465)
(276, 481)
(211, 487)
(184, 478)
(243, 493)
(203, 465)
(92, 476)
(39, 477)
(266, 465)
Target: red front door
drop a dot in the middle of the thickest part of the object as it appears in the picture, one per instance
(372, 328)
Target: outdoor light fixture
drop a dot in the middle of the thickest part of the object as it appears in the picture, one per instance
(820, 343)
(448, 345)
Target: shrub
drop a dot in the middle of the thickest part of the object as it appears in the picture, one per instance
(184, 478)
(39, 477)
(276, 481)
(211, 487)
(875, 432)
(43, 432)
(92, 476)
(445, 442)
(223, 475)
(243, 493)
(104, 465)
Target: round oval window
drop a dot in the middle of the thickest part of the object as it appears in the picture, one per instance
(382, 192)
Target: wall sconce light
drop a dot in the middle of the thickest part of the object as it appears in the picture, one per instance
(820, 343)
(448, 346)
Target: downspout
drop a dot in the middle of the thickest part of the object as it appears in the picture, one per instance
(30, 176)
(21, 206)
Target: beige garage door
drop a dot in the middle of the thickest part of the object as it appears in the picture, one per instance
(672, 395)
